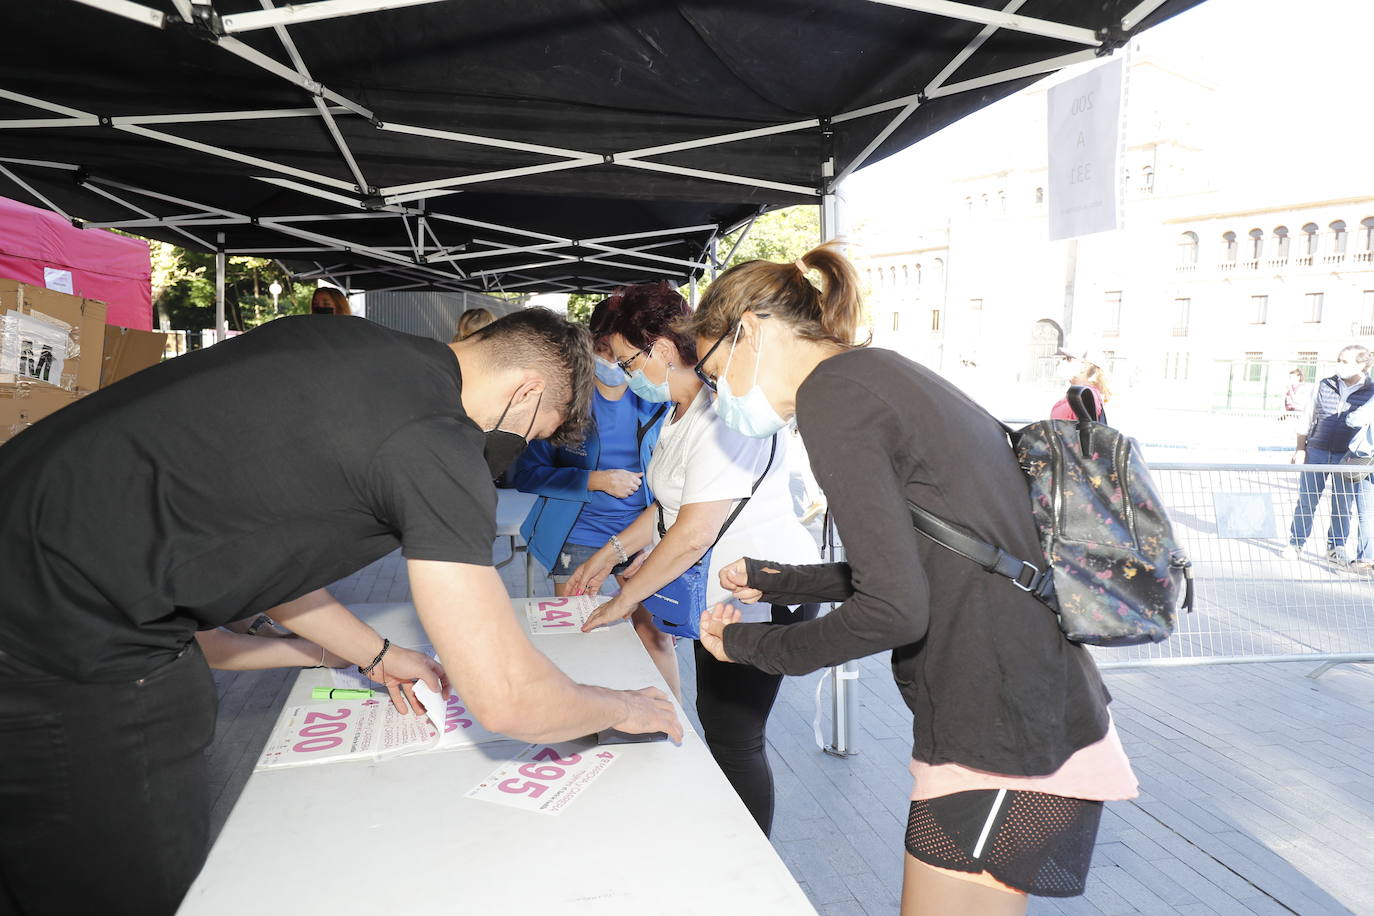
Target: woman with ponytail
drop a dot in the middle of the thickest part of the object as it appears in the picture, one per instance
(1014, 750)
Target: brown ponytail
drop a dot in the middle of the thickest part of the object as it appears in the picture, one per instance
(829, 313)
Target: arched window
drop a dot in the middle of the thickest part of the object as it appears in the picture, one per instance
(1256, 244)
(906, 276)
(892, 276)
(1367, 242)
(968, 201)
(1002, 201)
(1338, 237)
(1228, 246)
(1187, 248)
(1147, 180)
(1309, 238)
(918, 275)
(1281, 242)
(1039, 195)
(985, 201)
(938, 272)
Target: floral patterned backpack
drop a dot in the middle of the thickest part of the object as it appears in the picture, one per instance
(1112, 571)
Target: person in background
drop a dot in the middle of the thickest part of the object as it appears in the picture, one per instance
(329, 301)
(590, 492)
(1294, 397)
(1014, 750)
(699, 472)
(1083, 368)
(1325, 439)
(472, 320)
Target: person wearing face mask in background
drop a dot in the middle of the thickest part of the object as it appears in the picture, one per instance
(590, 491)
(700, 472)
(251, 475)
(1013, 749)
(1082, 368)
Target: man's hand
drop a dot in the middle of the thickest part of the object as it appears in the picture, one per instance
(400, 668)
(713, 624)
(618, 483)
(610, 612)
(649, 710)
(587, 578)
(735, 579)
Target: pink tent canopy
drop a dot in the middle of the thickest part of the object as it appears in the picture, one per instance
(39, 247)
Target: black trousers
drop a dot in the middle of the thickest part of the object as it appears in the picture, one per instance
(103, 794)
(733, 703)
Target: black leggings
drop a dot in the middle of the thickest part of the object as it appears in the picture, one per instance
(733, 702)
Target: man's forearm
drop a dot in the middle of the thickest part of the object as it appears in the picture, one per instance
(228, 651)
(318, 617)
(561, 709)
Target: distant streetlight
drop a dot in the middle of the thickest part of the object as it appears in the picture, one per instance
(275, 290)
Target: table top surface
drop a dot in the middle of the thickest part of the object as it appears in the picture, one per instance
(661, 831)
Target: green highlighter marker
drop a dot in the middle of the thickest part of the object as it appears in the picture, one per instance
(339, 693)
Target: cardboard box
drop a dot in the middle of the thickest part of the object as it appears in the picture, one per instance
(78, 323)
(128, 351)
(21, 406)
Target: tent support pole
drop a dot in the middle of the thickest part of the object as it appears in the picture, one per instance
(220, 259)
(842, 704)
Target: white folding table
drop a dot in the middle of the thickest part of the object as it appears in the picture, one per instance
(660, 831)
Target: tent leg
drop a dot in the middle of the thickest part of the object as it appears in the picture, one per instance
(220, 329)
(842, 684)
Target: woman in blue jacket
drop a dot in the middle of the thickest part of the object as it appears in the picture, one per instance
(589, 493)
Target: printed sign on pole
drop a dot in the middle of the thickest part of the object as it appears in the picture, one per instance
(1085, 152)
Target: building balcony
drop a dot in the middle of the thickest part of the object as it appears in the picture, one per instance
(1180, 332)
(1249, 265)
(1276, 262)
(1186, 268)
(1362, 330)
(1226, 266)
(1304, 261)
(1364, 257)
(1112, 332)
(1334, 258)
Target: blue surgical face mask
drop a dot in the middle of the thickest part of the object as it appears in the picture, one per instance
(749, 414)
(658, 393)
(608, 373)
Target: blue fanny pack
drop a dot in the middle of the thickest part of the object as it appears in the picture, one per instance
(677, 606)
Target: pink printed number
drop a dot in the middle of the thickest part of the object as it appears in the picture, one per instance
(551, 754)
(317, 715)
(516, 787)
(452, 718)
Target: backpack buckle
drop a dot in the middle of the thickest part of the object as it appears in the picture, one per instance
(1032, 581)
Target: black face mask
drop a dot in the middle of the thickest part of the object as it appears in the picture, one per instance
(502, 446)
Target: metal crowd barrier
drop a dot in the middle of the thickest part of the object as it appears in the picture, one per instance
(1253, 604)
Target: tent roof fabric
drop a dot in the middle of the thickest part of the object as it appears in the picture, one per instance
(459, 144)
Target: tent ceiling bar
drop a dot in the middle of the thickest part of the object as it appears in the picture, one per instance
(1002, 20)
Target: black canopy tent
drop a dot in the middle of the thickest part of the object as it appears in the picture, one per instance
(536, 146)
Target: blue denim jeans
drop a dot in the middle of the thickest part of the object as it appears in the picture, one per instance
(1344, 491)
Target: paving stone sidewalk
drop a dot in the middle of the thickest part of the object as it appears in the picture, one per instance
(1257, 783)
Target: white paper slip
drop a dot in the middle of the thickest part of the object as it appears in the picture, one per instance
(545, 778)
(456, 726)
(547, 616)
(337, 731)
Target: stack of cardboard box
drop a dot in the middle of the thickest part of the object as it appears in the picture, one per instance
(55, 348)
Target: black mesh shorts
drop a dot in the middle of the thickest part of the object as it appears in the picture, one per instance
(1037, 843)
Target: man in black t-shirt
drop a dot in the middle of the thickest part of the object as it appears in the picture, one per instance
(239, 480)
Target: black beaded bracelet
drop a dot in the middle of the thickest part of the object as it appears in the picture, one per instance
(386, 644)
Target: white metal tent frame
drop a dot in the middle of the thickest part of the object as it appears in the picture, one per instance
(428, 261)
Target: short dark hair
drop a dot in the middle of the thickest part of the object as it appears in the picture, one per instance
(602, 318)
(560, 351)
(650, 311)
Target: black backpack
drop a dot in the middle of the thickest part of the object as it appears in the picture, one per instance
(1112, 571)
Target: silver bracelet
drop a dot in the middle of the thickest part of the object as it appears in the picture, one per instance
(619, 549)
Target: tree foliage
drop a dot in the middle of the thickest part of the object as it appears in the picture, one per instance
(782, 235)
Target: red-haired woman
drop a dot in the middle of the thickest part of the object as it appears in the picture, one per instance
(700, 472)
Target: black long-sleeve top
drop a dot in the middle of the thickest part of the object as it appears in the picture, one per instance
(991, 681)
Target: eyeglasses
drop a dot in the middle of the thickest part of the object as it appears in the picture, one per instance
(624, 364)
(708, 380)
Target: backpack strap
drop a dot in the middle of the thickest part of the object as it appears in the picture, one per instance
(1023, 574)
(739, 507)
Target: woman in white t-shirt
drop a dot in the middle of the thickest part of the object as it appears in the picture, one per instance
(699, 472)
